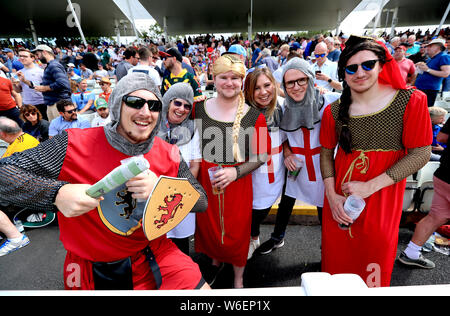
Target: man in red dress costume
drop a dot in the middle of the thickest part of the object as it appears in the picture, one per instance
(383, 135)
(57, 174)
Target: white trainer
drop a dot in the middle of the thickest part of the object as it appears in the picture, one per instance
(254, 244)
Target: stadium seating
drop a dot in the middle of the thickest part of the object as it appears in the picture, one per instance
(425, 186)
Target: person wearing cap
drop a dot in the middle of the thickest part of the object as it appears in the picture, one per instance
(434, 70)
(30, 76)
(407, 67)
(239, 51)
(12, 62)
(55, 84)
(172, 60)
(59, 171)
(295, 46)
(101, 116)
(105, 85)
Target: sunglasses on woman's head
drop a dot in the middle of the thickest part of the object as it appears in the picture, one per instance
(367, 65)
(177, 103)
(138, 102)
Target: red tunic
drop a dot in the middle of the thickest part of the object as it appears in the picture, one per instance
(230, 218)
(372, 250)
(87, 239)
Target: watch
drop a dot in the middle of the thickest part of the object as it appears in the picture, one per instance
(428, 70)
(329, 80)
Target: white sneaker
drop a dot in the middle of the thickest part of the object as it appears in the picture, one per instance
(8, 246)
(254, 244)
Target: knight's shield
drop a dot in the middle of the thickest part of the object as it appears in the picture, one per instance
(171, 200)
(120, 212)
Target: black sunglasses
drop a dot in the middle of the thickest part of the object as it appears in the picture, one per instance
(138, 103)
(187, 106)
(367, 65)
(70, 111)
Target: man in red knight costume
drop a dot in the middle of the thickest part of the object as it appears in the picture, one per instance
(106, 250)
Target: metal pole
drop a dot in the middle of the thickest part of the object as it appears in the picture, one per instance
(394, 23)
(132, 20)
(250, 22)
(442, 20)
(165, 29)
(117, 29)
(378, 17)
(77, 22)
(338, 24)
(33, 32)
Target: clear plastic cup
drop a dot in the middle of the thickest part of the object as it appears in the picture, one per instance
(353, 207)
(212, 172)
(294, 174)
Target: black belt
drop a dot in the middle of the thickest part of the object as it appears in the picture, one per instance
(118, 275)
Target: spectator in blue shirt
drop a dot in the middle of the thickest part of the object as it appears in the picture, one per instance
(55, 83)
(434, 70)
(68, 118)
(83, 98)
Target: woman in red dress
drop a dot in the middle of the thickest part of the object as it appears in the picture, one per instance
(382, 133)
(234, 136)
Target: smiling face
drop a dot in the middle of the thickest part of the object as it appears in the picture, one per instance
(296, 92)
(362, 80)
(228, 84)
(136, 125)
(177, 114)
(264, 91)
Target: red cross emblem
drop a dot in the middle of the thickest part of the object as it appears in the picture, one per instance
(308, 152)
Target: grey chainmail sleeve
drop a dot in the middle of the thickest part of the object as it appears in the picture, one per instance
(327, 162)
(184, 172)
(249, 166)
(414, 160)
(29, 178)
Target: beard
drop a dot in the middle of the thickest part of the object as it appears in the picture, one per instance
(43, 60)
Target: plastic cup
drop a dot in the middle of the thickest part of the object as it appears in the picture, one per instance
(353, 207)
(294, 174)
(212, 173)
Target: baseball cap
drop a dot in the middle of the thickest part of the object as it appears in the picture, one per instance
(237, 49)
(401, 47)
(100, 103)
(71, 65)
(295, 46)
(43, 48)
(172, 52)
(7, 50)
(440, 41)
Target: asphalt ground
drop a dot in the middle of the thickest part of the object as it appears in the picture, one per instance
(39, 266)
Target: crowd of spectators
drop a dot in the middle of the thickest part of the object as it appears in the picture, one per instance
(49, 88)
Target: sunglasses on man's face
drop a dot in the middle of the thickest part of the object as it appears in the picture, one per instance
(367, 65)
(137, 103)
(177, 103)
(70, 111)
(319, 55)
